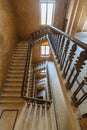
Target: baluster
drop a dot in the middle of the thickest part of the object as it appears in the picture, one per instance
(40, 118)
(61, 47)
(78, 102)
(84, 82)
(69, 60)
(64, 54)
(34, 117)
(46, 120)
(59, 44)
(77, 66)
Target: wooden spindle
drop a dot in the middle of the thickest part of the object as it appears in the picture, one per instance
(63, 57)
(78, 66)
(69, 60)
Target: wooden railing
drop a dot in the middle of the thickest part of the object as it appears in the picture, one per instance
(71, 55)
(26, 71)
(25, 86)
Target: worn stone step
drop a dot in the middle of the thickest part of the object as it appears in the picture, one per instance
(19, 58)
(18, 61)
(11, 94)
(15, 88)
(11, 100)
(14, 80)
(20, 52)
(17, 67)
(16, 72)
(13, 84)
(21, 47)
(20, 55)
(15, 75)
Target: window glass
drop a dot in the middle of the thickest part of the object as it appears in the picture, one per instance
(45, 50)
(47, 13)
(43, 13)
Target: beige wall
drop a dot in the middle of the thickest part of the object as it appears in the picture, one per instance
(60, 12)
(7, 37)
(27, 16)
(77, 16)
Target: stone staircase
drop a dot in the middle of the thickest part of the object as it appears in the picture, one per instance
(11, 92)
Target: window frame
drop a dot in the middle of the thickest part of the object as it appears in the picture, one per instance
(45, 55)
(53, 12)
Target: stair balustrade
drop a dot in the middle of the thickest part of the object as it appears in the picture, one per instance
(71, 55)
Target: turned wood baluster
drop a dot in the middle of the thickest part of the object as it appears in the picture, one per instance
(78, 102)
(84, 82)
(78, 66)
(70, 60)
(59, 44)
(61, 47)
(66, 47)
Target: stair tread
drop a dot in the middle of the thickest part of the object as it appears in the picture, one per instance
(12, 89)
(18, 81)
(11, 84)
(11, 99)
(10, 93)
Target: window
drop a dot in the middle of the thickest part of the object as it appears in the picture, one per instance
(43, 72)
(47, 9)
(45, 51)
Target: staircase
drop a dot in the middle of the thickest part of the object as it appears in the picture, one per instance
(22, 84)
(11, 92)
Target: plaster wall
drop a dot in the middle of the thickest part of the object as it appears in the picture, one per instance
(7, 37)
(27, 13)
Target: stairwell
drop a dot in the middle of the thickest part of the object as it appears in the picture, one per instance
(11, 92)
(29, 97)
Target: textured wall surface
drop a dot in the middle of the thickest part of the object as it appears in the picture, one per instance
(27, 16)
(60, 13)
(7, 37)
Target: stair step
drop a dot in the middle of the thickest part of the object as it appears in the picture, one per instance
(20, 50)
(13, 84)
(14, 79)
(15, 76)
(18, 58)
(21, 47)
(17, 64)
(18, 61)
(11, 99)
(16, 72)
(20, 53)
(11, 94)
(17, 67)
(16, 88)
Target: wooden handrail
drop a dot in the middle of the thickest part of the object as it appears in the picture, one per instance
(37, 100)
(78, 42)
